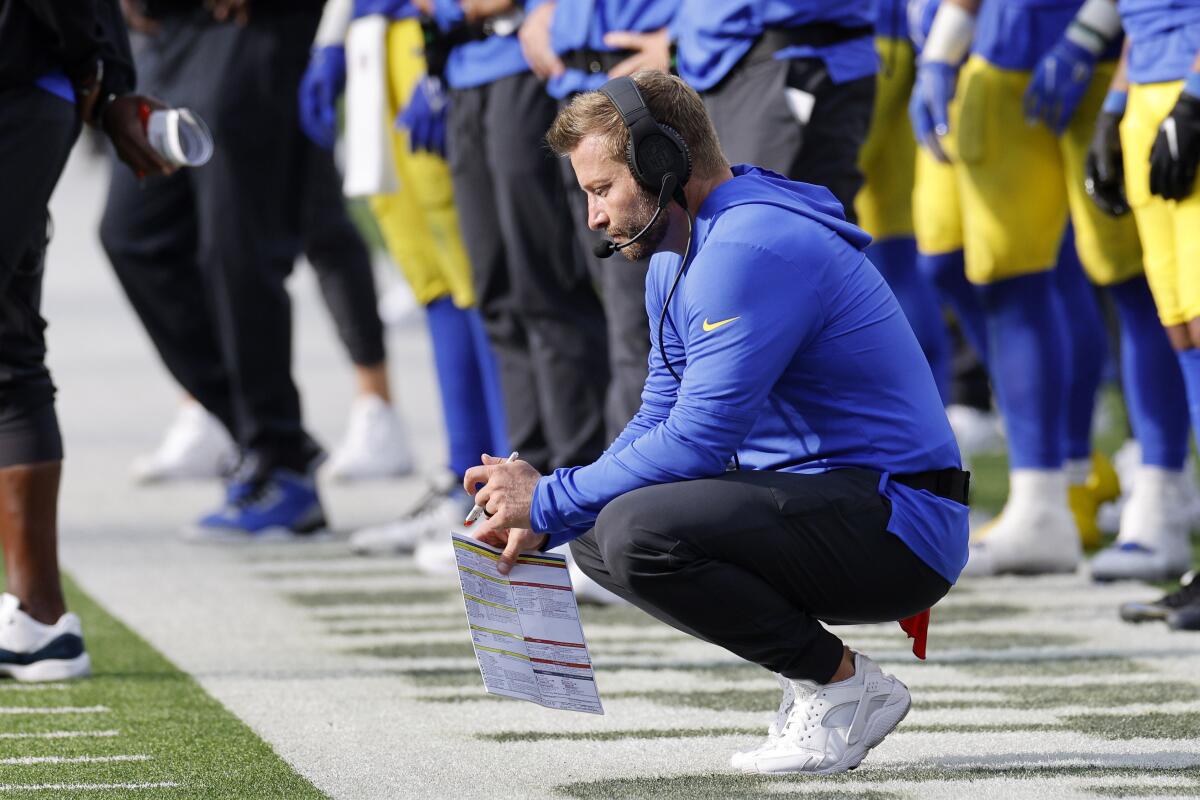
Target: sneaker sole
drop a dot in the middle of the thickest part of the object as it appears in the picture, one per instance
(50, 669)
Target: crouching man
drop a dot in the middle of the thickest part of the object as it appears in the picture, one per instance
(791, 464)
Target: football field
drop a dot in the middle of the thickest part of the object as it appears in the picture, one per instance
(302, 671)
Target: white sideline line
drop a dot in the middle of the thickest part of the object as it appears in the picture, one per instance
(54, 710)
(84, 787)
(33, 687)
(60, 735)
(27, 760)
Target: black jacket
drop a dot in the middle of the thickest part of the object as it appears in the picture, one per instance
(39, 36)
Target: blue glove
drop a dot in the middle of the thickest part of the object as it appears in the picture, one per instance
(1058, 84)
(425, 117)
(322, 84)
(928, 108)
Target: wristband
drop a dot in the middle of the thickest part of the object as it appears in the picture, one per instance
(1191, 86)
(1114, 102)
(950, 35)
(1096, 24)
(335, 21)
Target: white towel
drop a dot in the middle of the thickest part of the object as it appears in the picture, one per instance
(370, 168)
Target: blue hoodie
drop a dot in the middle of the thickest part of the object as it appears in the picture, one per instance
(794, 354)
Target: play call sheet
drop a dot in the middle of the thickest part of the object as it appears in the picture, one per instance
(525, 628)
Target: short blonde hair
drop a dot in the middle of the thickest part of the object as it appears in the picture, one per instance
(671, 101)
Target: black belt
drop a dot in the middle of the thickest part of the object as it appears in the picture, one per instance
(594, 62)
(818, 34)
(952, 484)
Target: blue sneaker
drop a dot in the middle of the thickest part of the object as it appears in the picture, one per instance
(282, 506)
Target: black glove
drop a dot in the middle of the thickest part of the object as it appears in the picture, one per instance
(1105, 181)
(1176, 150)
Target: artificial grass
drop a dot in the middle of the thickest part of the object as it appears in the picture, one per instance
(156, 711)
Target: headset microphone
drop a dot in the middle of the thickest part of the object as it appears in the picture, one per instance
(670, 184)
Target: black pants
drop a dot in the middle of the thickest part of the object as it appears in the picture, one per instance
(539, 309)
(750, 111)
(755, 561)
(37, 131)
(623, 293)
(203, 254)
(339, 257)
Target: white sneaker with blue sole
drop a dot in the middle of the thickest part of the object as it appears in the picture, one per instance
(34, 651)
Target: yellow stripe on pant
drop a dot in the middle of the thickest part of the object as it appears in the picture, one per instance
(419, 222)
(1170, 229)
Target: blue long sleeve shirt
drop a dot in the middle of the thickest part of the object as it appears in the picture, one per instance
(1164, 37)
(580, 24)
(794, 355)
(712, 36)
(482, 62)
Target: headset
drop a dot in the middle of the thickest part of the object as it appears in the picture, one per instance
(660, 160)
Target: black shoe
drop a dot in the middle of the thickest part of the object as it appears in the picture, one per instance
(1183, 604)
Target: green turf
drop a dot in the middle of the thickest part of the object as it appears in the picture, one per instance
(354, 597)
(1057, 667)
(157, 710)
(461, 649)
(1149, 725)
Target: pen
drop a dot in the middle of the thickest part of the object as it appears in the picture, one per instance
(478, 511)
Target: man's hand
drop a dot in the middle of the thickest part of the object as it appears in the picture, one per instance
(514, 541)
(534, 36)
(651, 51)
(504, 490)
(929, 106)
(236, 10)
(1176, 150)
(1058, 84)
(1105, 168)
(122, 122)
(476, 10)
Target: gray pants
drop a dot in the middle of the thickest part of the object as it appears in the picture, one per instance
(535, 296)
(750, 111)
(37, 130)
(756, 561)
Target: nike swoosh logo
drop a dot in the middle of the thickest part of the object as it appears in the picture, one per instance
(712, 326)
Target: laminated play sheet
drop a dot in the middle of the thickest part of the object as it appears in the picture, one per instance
(525, 628)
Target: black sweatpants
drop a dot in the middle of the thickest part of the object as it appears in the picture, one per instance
(756, 561)
(537, 303)
(37, 130)
(750, 111)
(203, 254)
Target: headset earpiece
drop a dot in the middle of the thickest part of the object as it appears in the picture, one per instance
(654, 150)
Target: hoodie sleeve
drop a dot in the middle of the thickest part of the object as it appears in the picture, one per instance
(746, 312)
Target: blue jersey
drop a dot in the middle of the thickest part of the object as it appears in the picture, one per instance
(393, 9)
(582, 24)
(479, 63)
(794, 355)
(891, 18)
(713, 35)
(1164, 37)
(1015, 34)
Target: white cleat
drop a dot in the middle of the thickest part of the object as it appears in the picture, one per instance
(976, 431)
(33, 651)
(375, 446)
(196, 446)
(829, 729)
(1034, 534)
(440, 511)
(1154, 543)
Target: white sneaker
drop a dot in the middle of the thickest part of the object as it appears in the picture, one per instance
(441, 510)
(1126, 461)
(435, 555)
(1034, 534)
(398, 305)
(745, 758)
(830, 728)
(976, 431)
(375, 446)
(33, 651)
(1154, 542)
(196, 446)
(587, 590)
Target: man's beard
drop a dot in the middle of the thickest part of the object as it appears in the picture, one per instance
(643, 211)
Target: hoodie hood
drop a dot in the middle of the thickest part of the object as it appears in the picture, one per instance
(751, 185)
